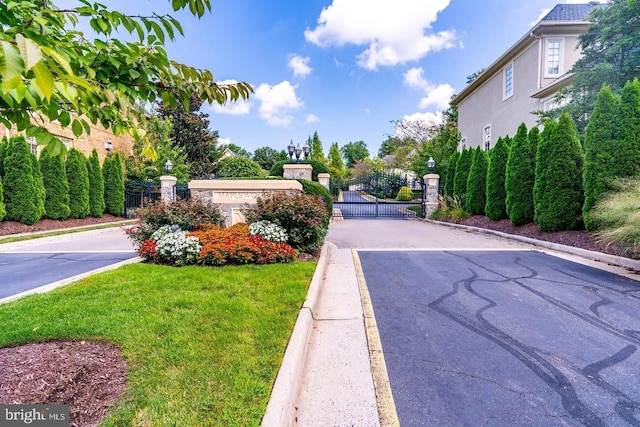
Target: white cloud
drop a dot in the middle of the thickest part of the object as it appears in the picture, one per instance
(312, 118)
(432, 118)
(299, 65)
(394, 31)
(276, 102)
(234, 108)
(224, 141)
(437, 96)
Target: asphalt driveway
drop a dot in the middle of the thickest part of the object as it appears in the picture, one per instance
(506, 337)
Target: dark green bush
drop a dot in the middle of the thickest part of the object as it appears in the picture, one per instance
(463, 166)
(54, 175)
(559, 196)
(21, 192)
(113, 176)
(495, 208)
(626, 158)
(78, 178)
(96, 186)
(477, 183)
(451, 174)
(315, 189)
(238, 167)
(41, 193)
(4, 144)
(3, 209)
(520, 178)
(318, 167)
(301, 215)
(404, 194)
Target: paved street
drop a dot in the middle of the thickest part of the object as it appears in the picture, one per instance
(496, 338)
(354, 205)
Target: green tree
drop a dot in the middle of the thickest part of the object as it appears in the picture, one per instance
(441, 145)
(520, 178)
(559, 198)
(20, 189)
(336, 164)
(463, 166)
(96, 186)
(4, 144)
(451, 173)
(239, 167)
(78, 178)
(626, 157)
(237, 150)
(190, 133)
(266, 157)
(495, 207)
(610, 56)
(76, 81)
(477, 183)
(354, 152)
(41, 193)
(113, 185)
(3, 209)
(600, 140)
(316, 152)
(54, 176)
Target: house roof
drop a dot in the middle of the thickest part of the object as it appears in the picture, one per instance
(562, 15)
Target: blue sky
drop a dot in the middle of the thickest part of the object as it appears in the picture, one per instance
(343, 68)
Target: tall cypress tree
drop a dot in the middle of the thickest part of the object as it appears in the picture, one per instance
(316, 148)
(559, 203)
(41, 193)
(96, 185)
(78, 178)
(113, 185)
(20, 189)
(3, 209)
(520, 177)
(495, 208)
(542, 172)
(600, 141)
(626, 160)
(477, 183)
(54, 176)
(4, 143)
(463, 166)
(451, 174)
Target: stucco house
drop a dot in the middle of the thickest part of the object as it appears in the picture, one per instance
(523, 79)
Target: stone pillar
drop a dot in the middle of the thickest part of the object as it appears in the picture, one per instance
(167, 188)
(297, 171)
(324, 179)
(432, 181)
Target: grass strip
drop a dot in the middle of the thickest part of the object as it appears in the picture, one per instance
(37, 235)
(203, 345)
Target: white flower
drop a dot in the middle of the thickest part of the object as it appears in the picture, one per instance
(176, 247)
(268, 231)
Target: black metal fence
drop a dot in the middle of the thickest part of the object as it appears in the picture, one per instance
(137, 193)
(375, 195)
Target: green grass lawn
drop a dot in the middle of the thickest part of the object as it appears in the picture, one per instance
(203, 345)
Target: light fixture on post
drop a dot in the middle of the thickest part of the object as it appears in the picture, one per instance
(291, 149)
(298, 153)
(306, 150)
(108, 146)
(168, 167)
(431, 164)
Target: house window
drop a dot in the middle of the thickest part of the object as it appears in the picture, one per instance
(463, 144)
(554, 103)
(33, 145)
(486, 137)
(508, 81)
(553, 56)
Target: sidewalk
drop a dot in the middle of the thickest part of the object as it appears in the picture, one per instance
(326, 377)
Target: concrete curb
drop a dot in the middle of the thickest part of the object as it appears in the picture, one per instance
(280, 408)
(629, 263)
(71, 229)
(69, 280)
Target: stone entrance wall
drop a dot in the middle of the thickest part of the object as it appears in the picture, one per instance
(233, 195)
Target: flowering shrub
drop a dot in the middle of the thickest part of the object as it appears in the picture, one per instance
(301, 215)
(268, 231)
(178, 248)
(186, 214)
(235, 245)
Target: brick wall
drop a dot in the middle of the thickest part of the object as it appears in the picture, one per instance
(85, 143)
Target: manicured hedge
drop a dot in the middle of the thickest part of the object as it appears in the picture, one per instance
(21, 193)
(78, 178)
(54, 175)
(477, 183)
(495, 207)
(520, 177)
(96, 186)
(463, 166)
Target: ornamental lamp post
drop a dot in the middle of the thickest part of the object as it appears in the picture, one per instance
(108, 146)
(291, 149)
(431, 164)
(306, 150)
(168, 167)
(298, 153)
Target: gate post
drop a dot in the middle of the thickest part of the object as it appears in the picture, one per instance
(167, 188)
(430, 198)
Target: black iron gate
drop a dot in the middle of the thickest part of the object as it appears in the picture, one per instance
(378, 194)
(136, 193)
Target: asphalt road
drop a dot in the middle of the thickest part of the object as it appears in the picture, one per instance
(31, 264)
(354, 205)
(506, 338)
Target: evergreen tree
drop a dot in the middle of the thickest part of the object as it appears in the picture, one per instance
(336, 164)
(4, 144)
(113, 185)
(463, 166)
(78, 178)
(20, 189)
(316, 148)
(495, 208)
(626, 157)
(542, 172)
(477, 183)
(519, 179)
(54, 176)
(96, 186)
(600, 140)
(451, 173)
(559, 199)
(534, 138)
(3, 209)
(41, 193)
